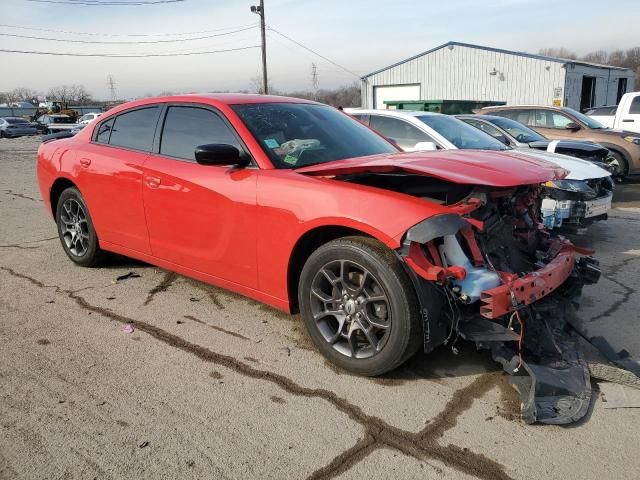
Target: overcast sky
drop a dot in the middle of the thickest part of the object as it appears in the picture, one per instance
(360, 35)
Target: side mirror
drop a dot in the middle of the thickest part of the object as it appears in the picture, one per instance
(574, 127)
(219, 154)
(425, 147)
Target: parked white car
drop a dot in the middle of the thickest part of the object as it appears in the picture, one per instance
(575, 202)
(88, 118)
(625, 116)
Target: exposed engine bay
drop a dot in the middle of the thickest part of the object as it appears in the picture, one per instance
(491, 273)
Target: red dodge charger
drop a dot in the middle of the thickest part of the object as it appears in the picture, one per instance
(298, 205)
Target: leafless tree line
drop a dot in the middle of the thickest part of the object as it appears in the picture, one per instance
(66, 94)
(629, 58)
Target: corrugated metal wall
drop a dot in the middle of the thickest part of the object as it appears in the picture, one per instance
(606, 84)
(463, 73)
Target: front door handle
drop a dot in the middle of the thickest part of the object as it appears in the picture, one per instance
(628, 120)
(152, 182)
(85, 162)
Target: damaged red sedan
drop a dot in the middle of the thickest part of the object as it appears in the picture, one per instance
(297, 205)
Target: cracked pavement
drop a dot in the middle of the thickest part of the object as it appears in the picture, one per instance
(213, 385)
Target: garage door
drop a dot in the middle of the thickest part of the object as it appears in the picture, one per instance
(395, 92)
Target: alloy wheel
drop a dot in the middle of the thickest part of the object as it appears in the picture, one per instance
(74, 227)
(350, 309)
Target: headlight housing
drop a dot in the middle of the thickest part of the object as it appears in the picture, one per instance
(573, 186)
(632, 139)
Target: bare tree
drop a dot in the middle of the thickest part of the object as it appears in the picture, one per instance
(70, 94)
(560, 52)
(599, 56)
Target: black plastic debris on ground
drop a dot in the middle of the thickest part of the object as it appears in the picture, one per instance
(126, 276)
(553, 378)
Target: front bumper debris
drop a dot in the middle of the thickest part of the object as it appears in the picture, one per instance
(574, 213)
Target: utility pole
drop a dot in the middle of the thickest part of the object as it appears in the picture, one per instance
(112, 87)
(314, 80)
(259, 10)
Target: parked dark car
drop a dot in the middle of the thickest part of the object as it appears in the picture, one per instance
(515, 134)
(11, 127)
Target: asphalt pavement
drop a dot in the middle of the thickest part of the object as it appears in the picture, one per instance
(154, 375)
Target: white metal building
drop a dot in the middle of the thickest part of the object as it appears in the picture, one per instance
(460, 71)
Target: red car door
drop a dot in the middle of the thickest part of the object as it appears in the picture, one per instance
(109, 175)
(200, 216)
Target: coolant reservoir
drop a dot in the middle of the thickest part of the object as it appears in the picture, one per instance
(477, 280)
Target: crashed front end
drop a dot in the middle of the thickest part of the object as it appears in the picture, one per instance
(503, 282)
(573, 205)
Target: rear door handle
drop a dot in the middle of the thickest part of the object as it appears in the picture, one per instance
(85, 162)
(152, 182)
(628, 120)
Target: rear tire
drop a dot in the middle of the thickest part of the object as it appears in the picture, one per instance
(75, 229)
(359, 307)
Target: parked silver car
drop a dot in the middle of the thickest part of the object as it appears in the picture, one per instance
(11, 127)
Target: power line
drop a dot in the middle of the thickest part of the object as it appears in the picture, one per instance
(64, 40)
(20, 27)
(313, 51)
(107, 3)
(141, 55)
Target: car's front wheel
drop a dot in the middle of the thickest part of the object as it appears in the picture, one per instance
(359, 306)
(618, 165)
(75, 229)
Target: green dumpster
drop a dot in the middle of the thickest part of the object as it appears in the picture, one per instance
(449, 107)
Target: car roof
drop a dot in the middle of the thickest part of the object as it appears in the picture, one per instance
(524, 106)
(480, 116)
(214, 99)
(14, 118)
(391, 113)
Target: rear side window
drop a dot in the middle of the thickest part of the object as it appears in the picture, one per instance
(135, 129)
(104, 131)
(403, 133)
(635, 106)
(186, 128)
(361, 117)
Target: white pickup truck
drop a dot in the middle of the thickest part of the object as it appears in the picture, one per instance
(625, 116)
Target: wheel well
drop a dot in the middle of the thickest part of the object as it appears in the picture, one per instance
(59, 186)
(305, 246)
(624, 156)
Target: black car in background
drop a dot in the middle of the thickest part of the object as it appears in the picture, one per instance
(517, 135)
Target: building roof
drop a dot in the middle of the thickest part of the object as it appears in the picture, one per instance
(500, 50)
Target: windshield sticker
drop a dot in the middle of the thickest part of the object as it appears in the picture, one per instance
(290, 159)
(271, 143)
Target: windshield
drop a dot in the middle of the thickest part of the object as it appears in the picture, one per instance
(588, 121)
(462, 135)
(517, 130)
(62, 120)
(300, 134)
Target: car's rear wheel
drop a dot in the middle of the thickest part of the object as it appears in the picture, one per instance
(359, 306)
(75, 229)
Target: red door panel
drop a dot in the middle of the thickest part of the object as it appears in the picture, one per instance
(110, 180)
(202, 217)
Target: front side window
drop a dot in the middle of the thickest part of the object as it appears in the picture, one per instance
(186, 128)
(135, 129)
(581, 117)
(463, 136)
(300, 134)
(403, 133)
(635, 106)
(485, 127)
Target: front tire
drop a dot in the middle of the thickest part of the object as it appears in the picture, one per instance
(619, 164)
(75, 229)
(359, 306)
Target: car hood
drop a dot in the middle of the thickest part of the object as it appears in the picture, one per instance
(578, 169)
(475, 167)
